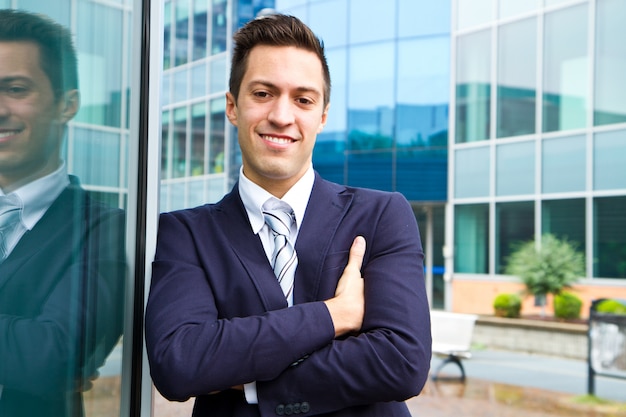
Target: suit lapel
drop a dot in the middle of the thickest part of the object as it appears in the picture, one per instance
(249, 250)
(326, 208)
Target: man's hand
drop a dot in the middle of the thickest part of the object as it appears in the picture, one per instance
(348, 306)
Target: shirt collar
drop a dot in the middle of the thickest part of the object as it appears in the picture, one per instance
(254, 197)
(38, 196)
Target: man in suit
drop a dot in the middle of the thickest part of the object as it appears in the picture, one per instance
(351, 335)
(62, 256)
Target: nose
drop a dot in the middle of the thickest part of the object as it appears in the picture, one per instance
(281, 112)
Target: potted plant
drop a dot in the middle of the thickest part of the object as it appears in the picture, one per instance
(547, 268)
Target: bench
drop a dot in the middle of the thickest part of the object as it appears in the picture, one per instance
(452, 338)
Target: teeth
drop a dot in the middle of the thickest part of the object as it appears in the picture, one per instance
(7, 134)
(277, 140)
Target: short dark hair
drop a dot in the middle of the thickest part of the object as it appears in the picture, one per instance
(274, 30)
(57, 54)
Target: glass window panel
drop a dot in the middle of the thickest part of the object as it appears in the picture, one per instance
(471, 172)
(198, 139)
(195, 194)
(57, 10)
(200, 29)
(371, 169)
(565, 72)
(609, 252)
(610, 53)
(423, 17)
(62, 299)
(217, 134)
(371, 97)
(564, 166)
(609, 160)
(100, 64)
(180, 81)
(165, 141)
(166, 96)
(181, 36)
(179, 143)
(325, 19)
(565, 219)
(94, 152)
(508, 8)
(517, 81)
(515, 168)
(371, 20)
(167, 35)
(218, 81)
(423, 92)
(473, 87)
(472, 13)
(430, 165)
(554, 2)
(471, 238)
(199, 80)
(218, 27)
(515, 224)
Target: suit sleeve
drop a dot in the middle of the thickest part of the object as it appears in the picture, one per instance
(195, 347)
(390, 359)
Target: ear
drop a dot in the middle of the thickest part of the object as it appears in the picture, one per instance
(231, 108)
(68, 105)
(324, 119)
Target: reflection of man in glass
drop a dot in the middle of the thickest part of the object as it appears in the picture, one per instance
(61, 254)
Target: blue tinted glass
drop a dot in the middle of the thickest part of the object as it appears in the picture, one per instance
(515, 224)
(517, 81)
(371, 97)
(609, 160)
(328, 20)
(610, 53)
(423, 17)
(371, 20)
(471, 172)
(609, 251)
(180, 85)
(218, 74)
(565, 69)
(515, 168)
(371, 169)
(471, 238)
(473, 87)
(199, 80)
(94, 152)
(423, 92)
(64, 265)
(430, 166)
(563, 167)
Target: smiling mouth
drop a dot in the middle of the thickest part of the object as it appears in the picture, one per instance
(7, 133)
(278, 140)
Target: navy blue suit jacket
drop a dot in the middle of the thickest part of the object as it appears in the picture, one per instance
(216, 316)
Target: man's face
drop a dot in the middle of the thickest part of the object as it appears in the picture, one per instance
(31, 119)
(279, 112)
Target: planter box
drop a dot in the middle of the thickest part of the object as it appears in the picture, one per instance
(568, 340)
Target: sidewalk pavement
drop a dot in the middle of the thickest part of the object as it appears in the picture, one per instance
(511, 384)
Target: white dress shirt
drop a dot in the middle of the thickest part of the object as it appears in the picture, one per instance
(254, 198)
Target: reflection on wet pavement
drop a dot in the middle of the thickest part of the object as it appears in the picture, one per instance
(476, 398)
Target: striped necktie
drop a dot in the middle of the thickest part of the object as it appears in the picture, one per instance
(10, 210)
(284, 259)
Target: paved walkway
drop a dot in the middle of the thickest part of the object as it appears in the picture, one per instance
(499, 384)
(509, 384)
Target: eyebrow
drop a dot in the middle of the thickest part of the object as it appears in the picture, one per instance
(13, 78)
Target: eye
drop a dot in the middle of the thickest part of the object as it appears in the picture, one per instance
(304, 100)
(15, 90)
(261, 94)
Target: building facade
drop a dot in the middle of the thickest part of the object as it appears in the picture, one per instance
(538, 142)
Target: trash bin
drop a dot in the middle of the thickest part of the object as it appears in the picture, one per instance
(607, 344)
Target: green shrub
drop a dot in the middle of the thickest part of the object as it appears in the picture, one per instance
(567, 305)
(611, 307)
(548, 269)
(507, 305)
